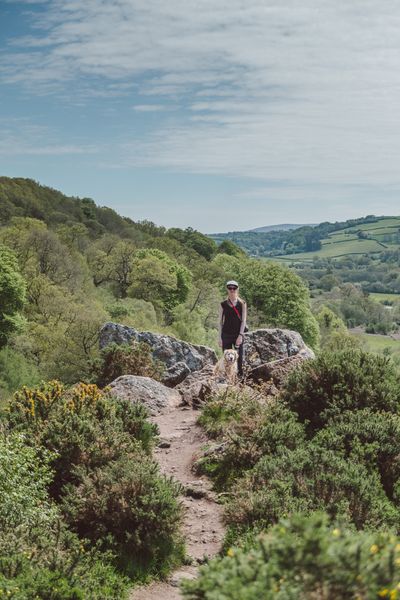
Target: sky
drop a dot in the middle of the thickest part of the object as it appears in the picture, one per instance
(215, 114)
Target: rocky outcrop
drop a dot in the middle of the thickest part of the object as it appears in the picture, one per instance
(275, 372)
(180, 358)
(272, 353)
(265, 345)
(153, 394)
(199, 386)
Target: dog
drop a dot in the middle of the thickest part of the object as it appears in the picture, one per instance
(228, 366)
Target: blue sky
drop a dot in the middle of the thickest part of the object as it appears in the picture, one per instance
(206, 113)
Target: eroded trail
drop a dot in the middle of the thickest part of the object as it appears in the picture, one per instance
(181, 441)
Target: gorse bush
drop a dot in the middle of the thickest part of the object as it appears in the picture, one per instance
(126, 359)
(83, 425)
(105, 481)
(335, 382)
(248, 429)
(308, 558)
(39, 557)
(329, 442)
(307, 479)
(367, 438)
(128, 507)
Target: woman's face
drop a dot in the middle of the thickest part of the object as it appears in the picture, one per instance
(232, 291)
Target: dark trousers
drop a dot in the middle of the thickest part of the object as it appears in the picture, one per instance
(228, 342)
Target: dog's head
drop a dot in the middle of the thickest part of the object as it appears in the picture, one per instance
(230, 356)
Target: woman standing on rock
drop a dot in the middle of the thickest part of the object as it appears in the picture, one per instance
(232, 322)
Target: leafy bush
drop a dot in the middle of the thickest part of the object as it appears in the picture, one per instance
(306, 479)
(247, 429)
(83, 425)
(16, 370)
(39, 557)
(126, 359)
(104, 479)
(350, 380)
(130, 508)
(370, 438)
(308, 558)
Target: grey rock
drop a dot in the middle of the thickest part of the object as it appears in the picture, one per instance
(153, 394)
(197, 388)
(180, 358)
(275, 372)
(266, 345)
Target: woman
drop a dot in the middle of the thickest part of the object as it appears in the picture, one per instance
(232, 322)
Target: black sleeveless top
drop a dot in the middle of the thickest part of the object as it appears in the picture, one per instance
(231, 323)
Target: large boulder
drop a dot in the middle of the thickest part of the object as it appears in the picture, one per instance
(153, 394)
(180, 358)
(266, 345)
(272, 353)
(199, 386)
(275, 372)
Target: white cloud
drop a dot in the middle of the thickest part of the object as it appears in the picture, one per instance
(148, 107)
(303, 92)
(20, 137)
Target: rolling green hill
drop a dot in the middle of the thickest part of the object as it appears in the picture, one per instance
(367, 238)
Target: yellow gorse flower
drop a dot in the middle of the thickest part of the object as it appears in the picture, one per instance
(374, 549)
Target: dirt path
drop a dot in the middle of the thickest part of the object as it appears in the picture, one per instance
(181, 440)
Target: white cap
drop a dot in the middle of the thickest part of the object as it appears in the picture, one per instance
(232, 282)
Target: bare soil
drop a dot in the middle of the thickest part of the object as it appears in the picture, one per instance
(181, 442)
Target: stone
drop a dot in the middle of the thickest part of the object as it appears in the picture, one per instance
(199, 386)
(153, 394)
(275, 372)
(266, 345)
(180, 357)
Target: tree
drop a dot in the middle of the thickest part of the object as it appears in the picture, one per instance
(12, 295)
(280, 296)
(229, 247)
(157, 278)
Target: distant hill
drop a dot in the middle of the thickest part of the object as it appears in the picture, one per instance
(370, 234)
(371, 237)
(282, 227)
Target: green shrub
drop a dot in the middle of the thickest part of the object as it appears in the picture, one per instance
(369, 438)
(15, 371)
(129, 507)
(39, 556)
(306, 479)
(307, 558)
(350, 380)
(105, 482)
(126, 359)
(83, 425)
(247, 430)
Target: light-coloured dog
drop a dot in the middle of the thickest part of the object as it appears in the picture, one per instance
(228, 366)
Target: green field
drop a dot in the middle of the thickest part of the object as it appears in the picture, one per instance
(382, 297)
(380, 344)
(346, 242)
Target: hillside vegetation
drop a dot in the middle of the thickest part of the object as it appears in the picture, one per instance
(91, 512)
(354, 236)
(309, 479)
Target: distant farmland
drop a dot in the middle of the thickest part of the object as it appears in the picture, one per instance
(374, 238)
